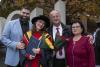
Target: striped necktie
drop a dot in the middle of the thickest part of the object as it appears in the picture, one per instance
(58, 35)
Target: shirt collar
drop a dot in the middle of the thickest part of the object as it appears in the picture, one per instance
(54, 27)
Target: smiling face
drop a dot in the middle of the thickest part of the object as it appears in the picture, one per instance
(55, 17)
(25, 15)
(76, 29)
(39, 25)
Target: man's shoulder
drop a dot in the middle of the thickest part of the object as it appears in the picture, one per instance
(49, 28)
(65, 26)
(13, 21)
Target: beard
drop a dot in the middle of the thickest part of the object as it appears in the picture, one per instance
(24, 19)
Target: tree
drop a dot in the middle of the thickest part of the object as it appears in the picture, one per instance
(76, 7)
(7, 6)
(88, 8)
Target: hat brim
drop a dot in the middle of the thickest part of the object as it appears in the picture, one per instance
(41, 17)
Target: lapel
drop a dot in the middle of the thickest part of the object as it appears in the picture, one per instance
(19, 28)
(63, 29)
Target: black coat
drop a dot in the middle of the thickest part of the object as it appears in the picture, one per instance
(97, 47)
(65, 32)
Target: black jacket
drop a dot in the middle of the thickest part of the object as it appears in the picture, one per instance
(66, 32)
(97, 47)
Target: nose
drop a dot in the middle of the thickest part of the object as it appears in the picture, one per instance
(25, 14)
(41, 24)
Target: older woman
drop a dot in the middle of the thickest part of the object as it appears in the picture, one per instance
(80, 53)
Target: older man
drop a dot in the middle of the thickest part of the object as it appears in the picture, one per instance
(58, 29)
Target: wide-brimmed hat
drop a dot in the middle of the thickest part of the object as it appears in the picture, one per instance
(41, 17)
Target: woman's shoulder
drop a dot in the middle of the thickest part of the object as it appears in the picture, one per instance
(85, 37)
(28, 33)
(46, 33)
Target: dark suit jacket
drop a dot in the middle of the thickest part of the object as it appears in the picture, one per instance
(66, 33)
(97, 47)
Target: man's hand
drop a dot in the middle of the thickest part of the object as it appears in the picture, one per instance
(90, 39)
(20, 46)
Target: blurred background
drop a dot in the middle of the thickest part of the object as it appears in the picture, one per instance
(87, 11)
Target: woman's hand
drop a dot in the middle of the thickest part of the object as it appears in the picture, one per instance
(31, 57)
(36, 50)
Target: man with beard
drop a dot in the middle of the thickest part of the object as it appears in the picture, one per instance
(12, 36)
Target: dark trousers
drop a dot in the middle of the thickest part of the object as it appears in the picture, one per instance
(97, 55)
(59, 63)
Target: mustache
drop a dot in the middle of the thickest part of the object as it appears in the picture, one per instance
(24, 19)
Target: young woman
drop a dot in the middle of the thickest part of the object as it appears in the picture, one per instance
(36, 41)
(80, 53)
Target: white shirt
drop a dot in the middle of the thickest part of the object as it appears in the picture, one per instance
(54, 35)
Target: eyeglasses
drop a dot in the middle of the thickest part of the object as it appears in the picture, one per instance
(76, 26)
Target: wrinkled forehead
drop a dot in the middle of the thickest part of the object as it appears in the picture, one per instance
(55, 12)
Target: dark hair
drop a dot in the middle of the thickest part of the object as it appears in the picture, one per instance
(25, 7)
(34, 29)
(81, 25)
(98, 25)
(43, 18)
